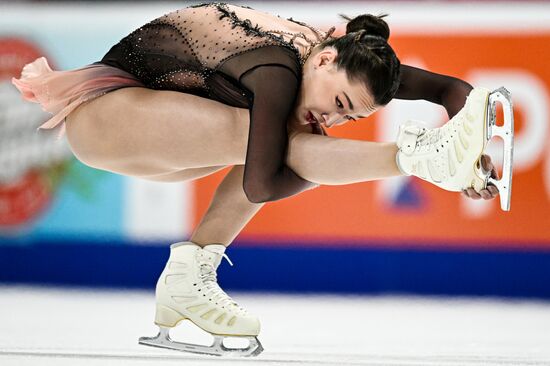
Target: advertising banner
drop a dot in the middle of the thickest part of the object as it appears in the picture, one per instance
(48, 196)
(408, 211)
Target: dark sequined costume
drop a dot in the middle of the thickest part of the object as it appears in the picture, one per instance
(206, 50)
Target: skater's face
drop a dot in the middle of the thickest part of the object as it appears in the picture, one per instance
(328, 94)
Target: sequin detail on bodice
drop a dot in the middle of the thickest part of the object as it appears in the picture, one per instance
(214, 51)
(181, 50)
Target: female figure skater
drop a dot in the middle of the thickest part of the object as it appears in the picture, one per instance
(214, 85)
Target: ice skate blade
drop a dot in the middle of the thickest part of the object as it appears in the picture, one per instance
(162, 340)
(506, 132)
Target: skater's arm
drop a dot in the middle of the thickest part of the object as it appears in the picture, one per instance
(266, 176)
(448, 91)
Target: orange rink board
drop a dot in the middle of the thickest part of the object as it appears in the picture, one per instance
(409, 212)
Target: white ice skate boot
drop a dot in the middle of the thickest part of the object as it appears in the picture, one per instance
(188, 289)
(449, 156)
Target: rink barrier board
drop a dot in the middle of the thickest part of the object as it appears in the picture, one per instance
(290, 267)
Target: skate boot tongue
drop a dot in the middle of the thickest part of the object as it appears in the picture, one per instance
(218, 252)
(210, 257)
(409, 133)
(428, 138)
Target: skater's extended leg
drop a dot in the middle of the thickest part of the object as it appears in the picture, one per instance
(143, 132)
(183, 175)
(147, 133)
(335, 161)
(158, 135)
(343, 161)
(355, 161)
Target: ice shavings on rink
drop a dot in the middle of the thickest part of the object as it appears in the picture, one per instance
(43, 326)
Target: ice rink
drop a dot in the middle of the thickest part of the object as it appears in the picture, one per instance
(43, 326)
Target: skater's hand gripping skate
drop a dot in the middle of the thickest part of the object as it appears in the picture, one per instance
(450, 156)
(491, 191)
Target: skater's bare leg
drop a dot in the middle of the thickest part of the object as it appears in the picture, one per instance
(228, 212)
(230, 209)
(143, 132)
(334, 161)
(102, 135)
(183, 175)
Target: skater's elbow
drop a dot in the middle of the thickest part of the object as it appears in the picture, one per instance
(257, 197)
(257, 191)
(460, 86)
(453, 96)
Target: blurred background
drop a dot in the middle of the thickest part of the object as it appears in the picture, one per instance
(65, 224)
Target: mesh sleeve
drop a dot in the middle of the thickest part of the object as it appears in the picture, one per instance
(266, 177)
(447, 91)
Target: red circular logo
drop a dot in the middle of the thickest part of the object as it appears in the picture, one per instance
(27, 173)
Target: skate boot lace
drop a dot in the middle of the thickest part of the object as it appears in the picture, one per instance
(428, 138)
(213, 291)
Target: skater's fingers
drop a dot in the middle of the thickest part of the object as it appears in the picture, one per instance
(486, 163)
(473, 194)
(485, 194)
(488, 166)
(466, 194)
(493, 190)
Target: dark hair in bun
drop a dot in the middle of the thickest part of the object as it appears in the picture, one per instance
(372, 24)
(366, 56)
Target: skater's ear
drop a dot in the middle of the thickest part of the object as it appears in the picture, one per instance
(326, 58)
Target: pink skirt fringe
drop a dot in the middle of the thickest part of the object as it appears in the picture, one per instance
(60, 92)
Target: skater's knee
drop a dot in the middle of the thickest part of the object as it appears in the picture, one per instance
(89, 148)
(96, 130)
(81, 141)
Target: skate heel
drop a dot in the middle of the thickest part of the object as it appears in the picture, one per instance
(166, 317)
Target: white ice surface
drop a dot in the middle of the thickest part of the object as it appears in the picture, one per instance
(43, 326)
